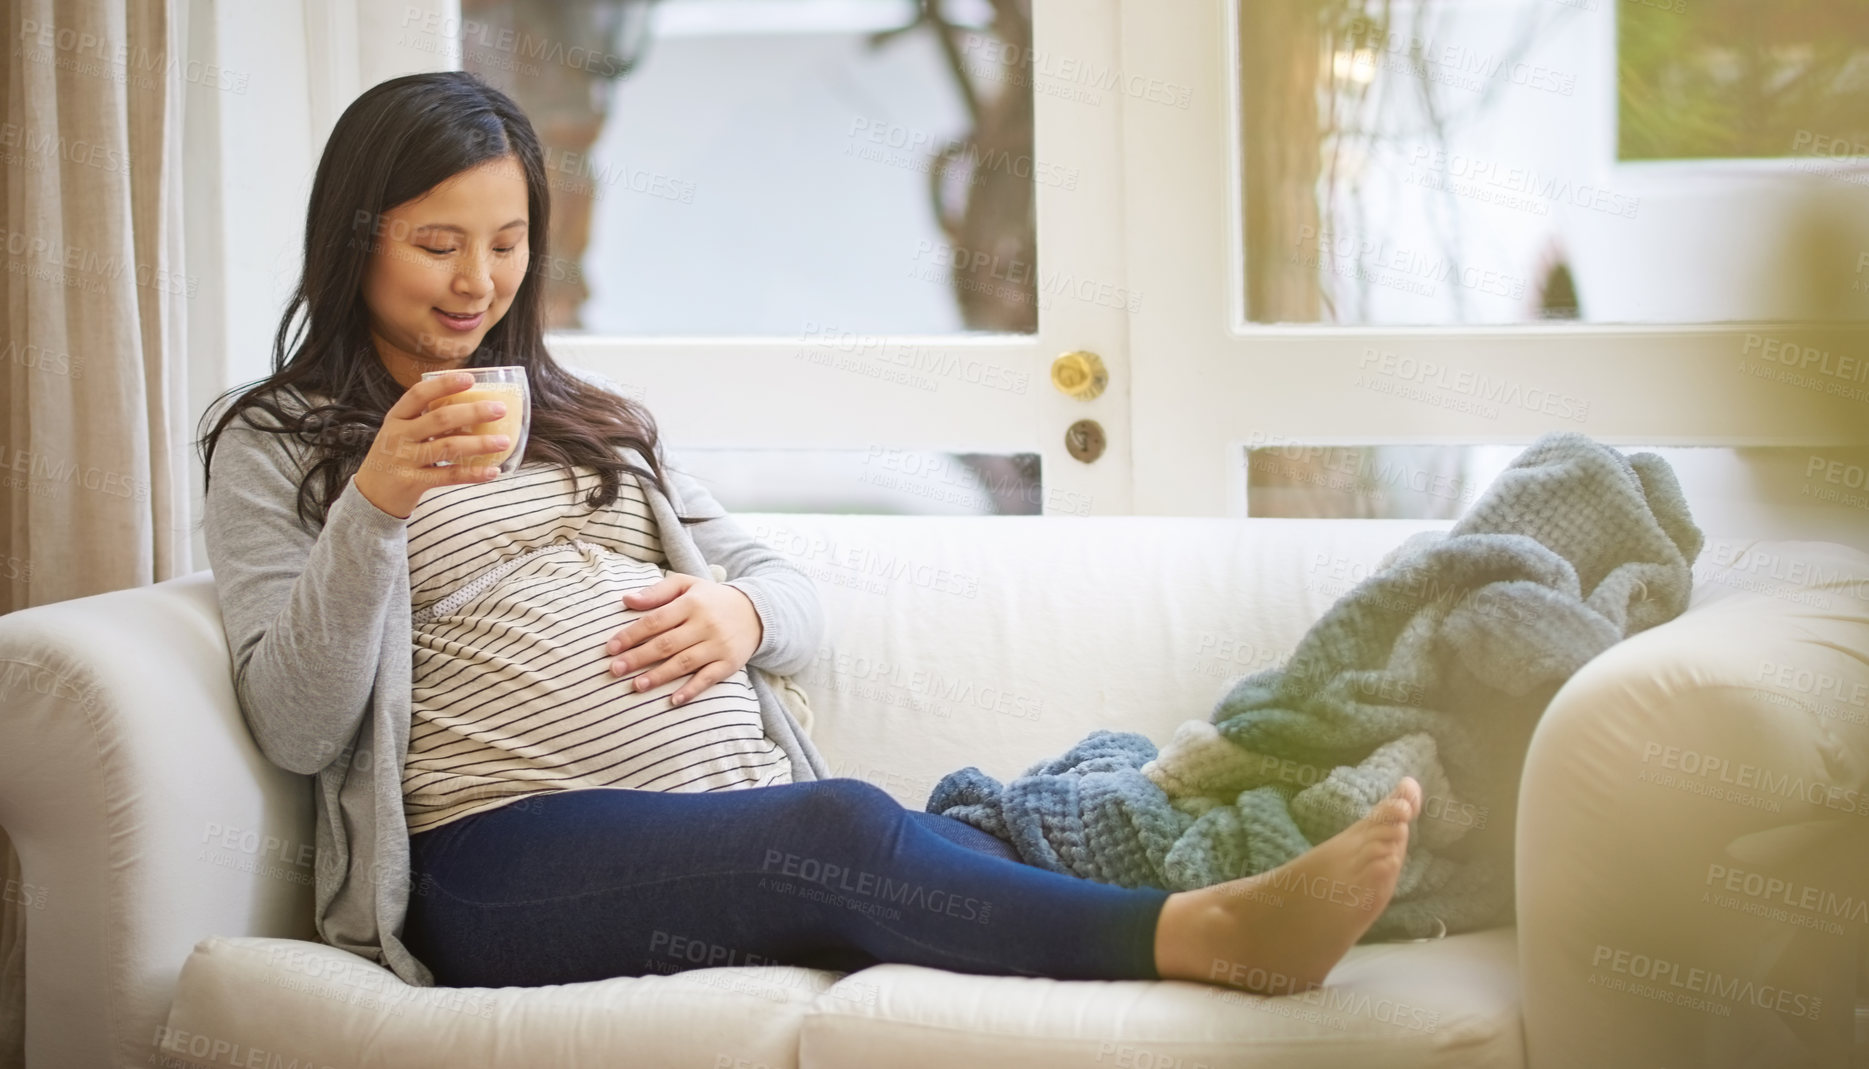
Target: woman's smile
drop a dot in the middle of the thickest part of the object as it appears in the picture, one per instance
(460, 321)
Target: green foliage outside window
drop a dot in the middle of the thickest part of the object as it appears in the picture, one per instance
(1711, 79)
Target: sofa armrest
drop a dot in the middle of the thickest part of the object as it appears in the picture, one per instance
(143, 815)
(1693, 828)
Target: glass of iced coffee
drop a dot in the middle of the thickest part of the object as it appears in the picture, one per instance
(506, 384)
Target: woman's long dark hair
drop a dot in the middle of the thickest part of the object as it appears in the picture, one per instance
(328, 389)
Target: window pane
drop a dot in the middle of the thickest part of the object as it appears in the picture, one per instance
(881, 480)
(1739, 78)
(1794, 492)
(1438, 162)
(1299, 479)
(743, 166)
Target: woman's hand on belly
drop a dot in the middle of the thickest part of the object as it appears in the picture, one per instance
(692, 626)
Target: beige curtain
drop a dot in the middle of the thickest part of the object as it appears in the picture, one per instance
(12, 960)
(94, 428)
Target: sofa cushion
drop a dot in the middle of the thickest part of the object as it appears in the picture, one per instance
(290, 1002)
(1447, 1004)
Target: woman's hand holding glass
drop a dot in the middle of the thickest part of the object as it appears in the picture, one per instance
(689, 625)
(402, 462)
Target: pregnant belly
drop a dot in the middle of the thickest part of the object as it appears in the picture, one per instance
(537, 633)
(512, 695)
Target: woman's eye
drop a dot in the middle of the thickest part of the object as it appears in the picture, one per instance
(437, 252)
(507, 249)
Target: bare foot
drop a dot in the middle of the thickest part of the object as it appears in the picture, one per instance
(1281, 931)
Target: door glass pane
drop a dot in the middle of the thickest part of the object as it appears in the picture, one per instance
(1434, 162)
(1773, 492)
(747, 166)
(880, 480)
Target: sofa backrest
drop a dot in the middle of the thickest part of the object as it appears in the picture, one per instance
(1000, 641)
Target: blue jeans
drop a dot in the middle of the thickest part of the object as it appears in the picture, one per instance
(833, 874)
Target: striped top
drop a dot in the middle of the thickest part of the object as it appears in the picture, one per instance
(515, 586)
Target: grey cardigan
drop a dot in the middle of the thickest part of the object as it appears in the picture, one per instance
(318, 626)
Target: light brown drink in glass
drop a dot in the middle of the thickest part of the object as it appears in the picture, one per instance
(514, 396)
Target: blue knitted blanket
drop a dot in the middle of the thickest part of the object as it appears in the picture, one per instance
(1437, 666)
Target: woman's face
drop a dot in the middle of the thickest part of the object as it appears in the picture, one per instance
(444, 268)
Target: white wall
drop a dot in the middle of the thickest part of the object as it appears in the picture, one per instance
(252, 141)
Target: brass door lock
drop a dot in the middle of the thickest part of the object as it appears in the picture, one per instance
(1084, 440)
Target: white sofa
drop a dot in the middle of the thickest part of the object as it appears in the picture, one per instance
(164, 866)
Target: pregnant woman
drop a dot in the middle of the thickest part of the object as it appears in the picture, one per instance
(545, 734)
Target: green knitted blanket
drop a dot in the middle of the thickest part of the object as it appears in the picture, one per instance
(1437, 666)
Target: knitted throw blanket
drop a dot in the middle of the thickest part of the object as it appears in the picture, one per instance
(1437, 666)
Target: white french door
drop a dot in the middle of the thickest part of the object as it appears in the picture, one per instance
(1205, 382)
(827, 387)
(1140, 154)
